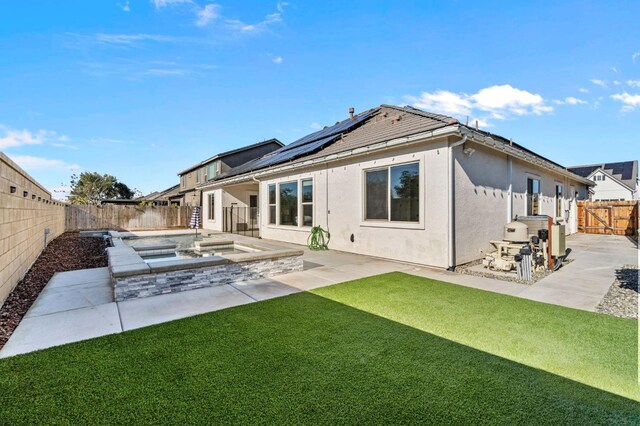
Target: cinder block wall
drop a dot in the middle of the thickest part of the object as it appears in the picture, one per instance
(26, 209)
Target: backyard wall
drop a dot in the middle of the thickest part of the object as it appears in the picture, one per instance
(26, 210)
(130, 218)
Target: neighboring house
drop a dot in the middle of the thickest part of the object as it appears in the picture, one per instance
(398, 183)
(614, 181)
(206, 170)
(162, 198)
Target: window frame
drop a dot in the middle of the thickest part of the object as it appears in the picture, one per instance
(211, 205)
(529, 199)
(279, 203)
(272, 220)
(559, 198)
(306, 203)
(422, 195)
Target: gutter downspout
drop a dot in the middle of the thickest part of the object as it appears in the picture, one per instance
(451, 200)
(510, 189)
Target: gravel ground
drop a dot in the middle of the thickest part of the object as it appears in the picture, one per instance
(68, 252)
(537, 275)
(622, 298)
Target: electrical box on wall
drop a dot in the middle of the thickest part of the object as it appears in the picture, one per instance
(558, 240)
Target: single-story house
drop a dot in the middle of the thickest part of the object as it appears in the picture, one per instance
(398, 183)
(613, 181)
(212, 167)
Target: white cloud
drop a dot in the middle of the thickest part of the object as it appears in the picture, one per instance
(281, 5)
(570, 101)
(635, 57)
(207, 14)
(583, 90)
(614, 69)
(64, 145)
(13, 138)
(130, 39)
(166, 72)
(277, 60)
(501, 99)
(238, 25)
(633, 83)
(125, 7)
(443, 101)
(617, 82)
(163, 3)
(630, 102)
(599, 82)
(499, 102)
(315, 126)
(29, 162)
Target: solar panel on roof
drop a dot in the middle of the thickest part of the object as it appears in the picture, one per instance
(303, 146)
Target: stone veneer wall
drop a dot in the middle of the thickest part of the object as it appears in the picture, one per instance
(137, 286)
(24, 215)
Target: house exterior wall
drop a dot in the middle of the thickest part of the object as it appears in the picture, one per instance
(236, 196)
(216, 223)
(339, 207)
(608, 189)
(481, 203)
(482, 198)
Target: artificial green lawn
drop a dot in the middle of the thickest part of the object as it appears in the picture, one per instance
(386, 349)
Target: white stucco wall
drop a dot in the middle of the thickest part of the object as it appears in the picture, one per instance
(216, 223)
(338, 206)
(482, 198)
(481, 203)
(608, 189)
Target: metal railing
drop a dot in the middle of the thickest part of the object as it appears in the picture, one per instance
(241, 220)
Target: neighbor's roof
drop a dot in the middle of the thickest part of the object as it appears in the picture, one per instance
(233, 151)
(624, 171)
(380, 124)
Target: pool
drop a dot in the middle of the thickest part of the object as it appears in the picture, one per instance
(181, 241)
(188, 254)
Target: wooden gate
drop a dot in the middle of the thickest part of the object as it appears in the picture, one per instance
(608, 217)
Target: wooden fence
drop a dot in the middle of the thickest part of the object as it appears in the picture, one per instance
(119, 217)
(608, 217)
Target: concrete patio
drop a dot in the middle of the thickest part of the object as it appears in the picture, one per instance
(79, 305)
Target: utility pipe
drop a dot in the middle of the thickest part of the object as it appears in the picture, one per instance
(452, 194)
(510, 189)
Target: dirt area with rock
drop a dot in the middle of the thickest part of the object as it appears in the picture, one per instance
(68, 252)
(622, 298)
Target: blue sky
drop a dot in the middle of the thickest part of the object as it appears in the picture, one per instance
(143, 89)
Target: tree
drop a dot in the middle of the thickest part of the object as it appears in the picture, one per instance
(92, 187)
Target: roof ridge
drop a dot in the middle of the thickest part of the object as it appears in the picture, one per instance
(417, 111)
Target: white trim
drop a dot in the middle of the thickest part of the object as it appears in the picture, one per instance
(388, 223)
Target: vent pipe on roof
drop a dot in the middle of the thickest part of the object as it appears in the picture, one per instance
(351, 111)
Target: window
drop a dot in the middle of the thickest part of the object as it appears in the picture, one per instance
(272, 204)
(307, 202)
(289, 203)
(212, 172)
(198, 176)
(377, 194)
(533, 197)
(217, 167)
(184, 180)
(559, 209)
(212, 207)
(393, 193)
